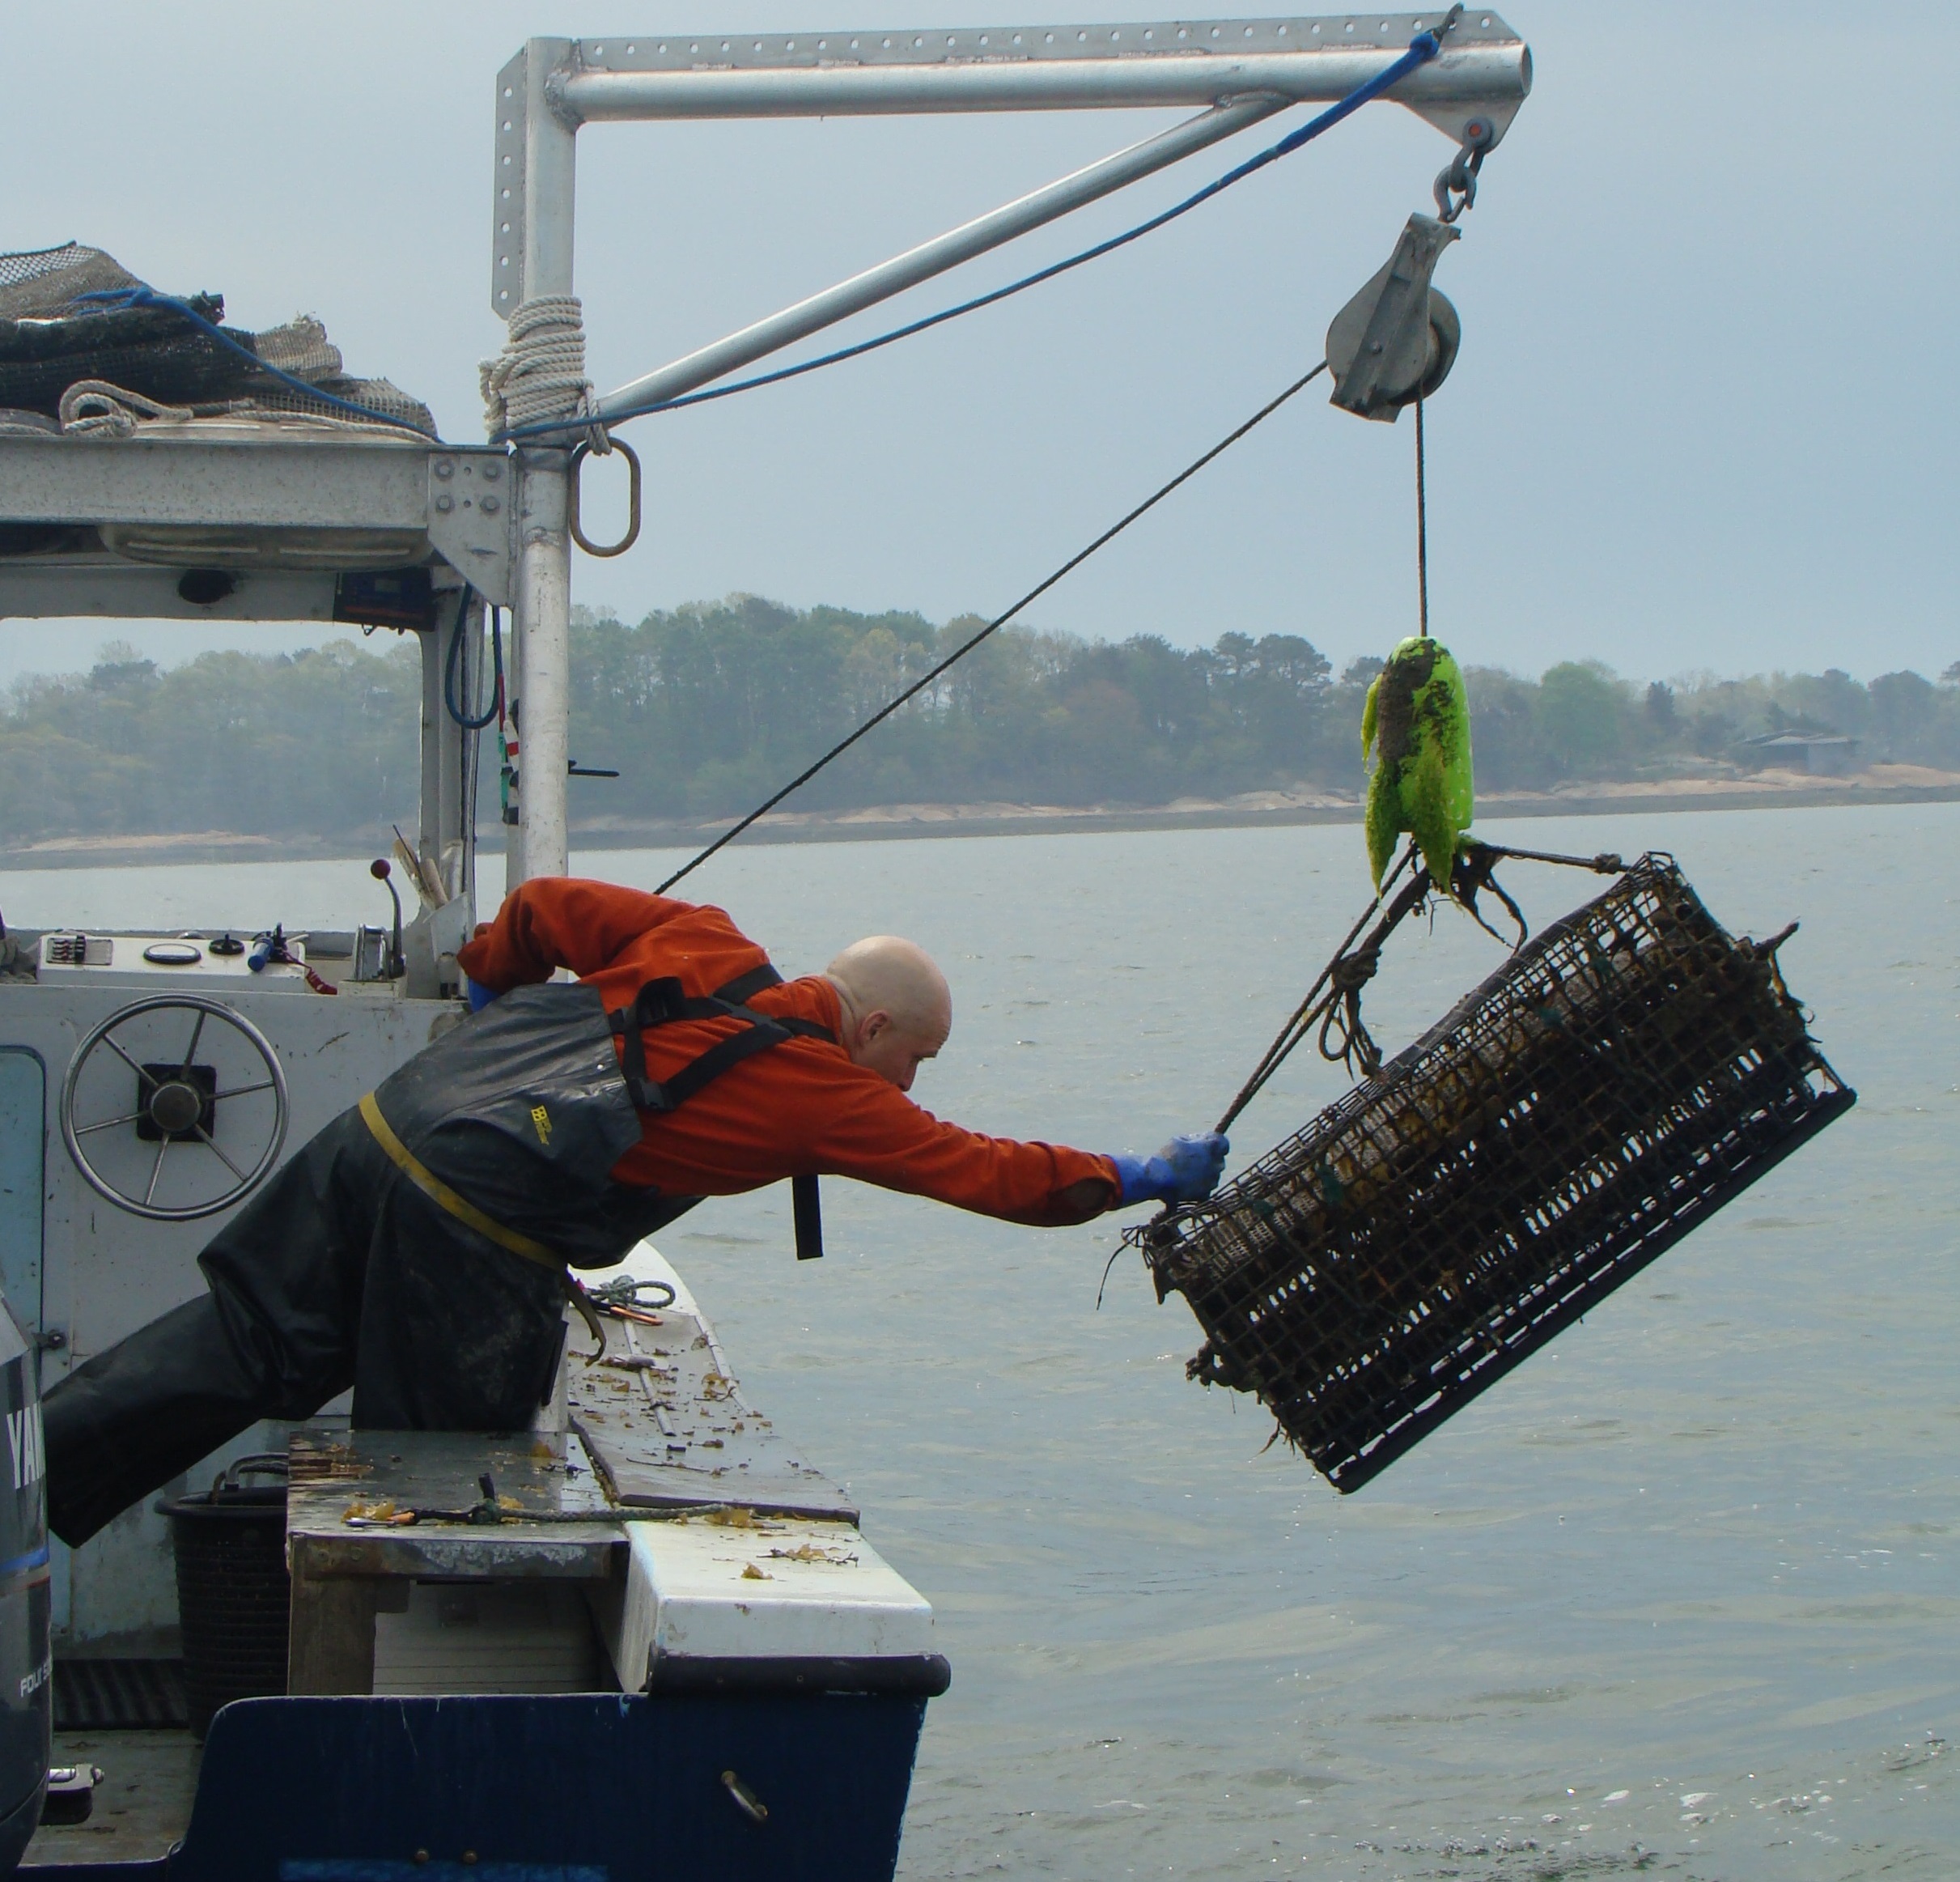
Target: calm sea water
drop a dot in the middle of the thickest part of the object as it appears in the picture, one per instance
(1678, 1597)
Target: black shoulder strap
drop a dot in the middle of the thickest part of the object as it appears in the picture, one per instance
(806, 1196)
(744, 987)
(662, 1002)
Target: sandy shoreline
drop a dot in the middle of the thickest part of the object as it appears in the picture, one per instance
(1765, 790)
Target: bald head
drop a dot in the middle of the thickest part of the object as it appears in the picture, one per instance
(897, 1008)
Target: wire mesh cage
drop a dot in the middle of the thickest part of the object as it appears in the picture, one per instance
(1623, 1076)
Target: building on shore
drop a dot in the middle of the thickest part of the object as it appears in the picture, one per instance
(1824, 754)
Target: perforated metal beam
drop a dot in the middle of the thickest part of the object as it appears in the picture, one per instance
(1484, 72)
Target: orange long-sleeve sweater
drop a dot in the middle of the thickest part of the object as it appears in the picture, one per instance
(800, 1109)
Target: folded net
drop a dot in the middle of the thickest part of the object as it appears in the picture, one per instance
(1623, 1075)
(51, 338)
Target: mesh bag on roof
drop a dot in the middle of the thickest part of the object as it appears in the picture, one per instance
(1618, 1080)
(50, 339)
(44, 281)
(374, 395)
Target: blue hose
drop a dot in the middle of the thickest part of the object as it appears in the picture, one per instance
(142, 294)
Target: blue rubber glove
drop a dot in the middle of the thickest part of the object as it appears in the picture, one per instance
(479, 996)
(1185, 1170)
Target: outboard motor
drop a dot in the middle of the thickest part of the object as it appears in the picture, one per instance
(26, 1665)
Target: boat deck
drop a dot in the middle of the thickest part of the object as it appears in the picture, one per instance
(142, 1801)
(666, 1530)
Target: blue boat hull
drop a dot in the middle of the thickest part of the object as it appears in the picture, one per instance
(576, 1788)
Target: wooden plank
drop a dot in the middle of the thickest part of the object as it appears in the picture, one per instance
(332, 1647)
(655, 1483)
(553, 1519)
(669, 1429)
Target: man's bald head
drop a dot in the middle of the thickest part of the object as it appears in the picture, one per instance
(897, 1008)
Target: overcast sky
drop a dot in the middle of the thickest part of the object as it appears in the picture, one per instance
(1704, 415)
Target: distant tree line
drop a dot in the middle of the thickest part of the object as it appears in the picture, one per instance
(324, 742)
(706, 708)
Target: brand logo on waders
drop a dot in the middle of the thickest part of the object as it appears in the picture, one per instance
(541, 1123)
(23, 1437)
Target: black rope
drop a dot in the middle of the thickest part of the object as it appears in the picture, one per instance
(1333, 1003)
(1340, 979)
(1421, 524)
(472, 721)
(966, 647)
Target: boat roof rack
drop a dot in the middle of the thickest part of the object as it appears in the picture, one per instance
(216, 520)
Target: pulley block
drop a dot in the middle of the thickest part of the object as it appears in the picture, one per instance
(1397, 339)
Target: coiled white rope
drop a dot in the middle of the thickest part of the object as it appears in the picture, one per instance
(540, 375)
(94, 406)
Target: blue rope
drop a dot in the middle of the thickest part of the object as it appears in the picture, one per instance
(1421, 48)
(142, 294)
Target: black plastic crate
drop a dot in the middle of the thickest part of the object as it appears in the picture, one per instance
(1623, 1076)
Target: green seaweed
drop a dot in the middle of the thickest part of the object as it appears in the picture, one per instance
(1416, 719)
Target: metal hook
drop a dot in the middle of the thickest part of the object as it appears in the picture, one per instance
(1456, 184)
(633, 503)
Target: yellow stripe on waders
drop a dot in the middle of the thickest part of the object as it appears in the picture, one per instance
(466, 1213)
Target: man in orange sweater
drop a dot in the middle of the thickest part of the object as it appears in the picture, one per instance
(829, 1098)
(417, 1249)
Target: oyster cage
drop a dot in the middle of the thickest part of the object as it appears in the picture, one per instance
(1622, 1076)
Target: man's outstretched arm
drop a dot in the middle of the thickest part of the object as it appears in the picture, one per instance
(865, 1129)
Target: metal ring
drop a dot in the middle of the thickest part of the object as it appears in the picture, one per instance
(153, 1212)
(633, 503)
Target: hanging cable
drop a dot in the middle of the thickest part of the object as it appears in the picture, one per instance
(468, 722)
(1424, 46)
(469, 749)
(142, 294)
(999, 621)
(1333, 1003)
(1319, 1000)
(1422, 525)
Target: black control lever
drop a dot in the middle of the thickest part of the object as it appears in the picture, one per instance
(397, 961)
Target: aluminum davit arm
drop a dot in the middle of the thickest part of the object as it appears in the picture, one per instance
(1238, 71)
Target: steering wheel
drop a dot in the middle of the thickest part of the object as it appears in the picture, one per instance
(177, 1102)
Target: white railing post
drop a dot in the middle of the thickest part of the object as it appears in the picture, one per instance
(544, 608)
(544, 569)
